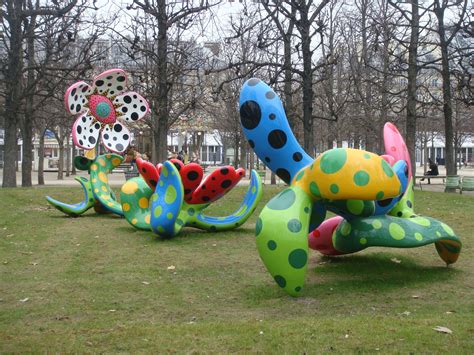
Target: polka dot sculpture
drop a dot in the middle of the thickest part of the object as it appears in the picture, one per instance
(172, 195)
(99, 108)
(97, 192)
(371, 195)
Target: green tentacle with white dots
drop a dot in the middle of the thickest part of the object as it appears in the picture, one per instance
(282, 238)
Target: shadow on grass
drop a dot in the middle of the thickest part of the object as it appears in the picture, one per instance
(359, 275)
(88, 215)
(185, 234)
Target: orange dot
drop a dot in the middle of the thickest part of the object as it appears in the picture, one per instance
(143, 202)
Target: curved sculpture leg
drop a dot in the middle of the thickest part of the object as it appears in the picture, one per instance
(320, 239)
(167, 202)
(198, 219)
(99, 170)
(135, 196)
(388, 231)
(447, 249)
(282, 238)
(78, 208)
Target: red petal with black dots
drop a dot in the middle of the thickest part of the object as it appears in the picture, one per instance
(177, 163)
(191, 176)
(217, 184)
(148, 172)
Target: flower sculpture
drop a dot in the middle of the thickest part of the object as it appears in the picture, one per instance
(173, 195)
(101, 109)
(372, 196)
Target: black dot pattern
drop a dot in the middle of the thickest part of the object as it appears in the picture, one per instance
(85, 132)
(117, 138)
(284, 175)
(193, 175)
(277, 138)
(268, 132)
(253, 82)
(270, 95)
(297, 156)
(76, 97)
(226, 183)
(133, 107)
(250, 114)
(110, 82)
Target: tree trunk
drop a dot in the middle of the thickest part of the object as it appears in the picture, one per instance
(425, 153)
(236, 150)
(384, 104)
(73, 154)
(68, 157)
(27, 122)
(305, 29)
(243, 154)
(251, 160)
(412, 89)
(287, 90)
(12, 91)
(367, 85)
(162, 105)
(27, 153)
(41, 158)
(61, 159)
(451, 167)
(161, 146)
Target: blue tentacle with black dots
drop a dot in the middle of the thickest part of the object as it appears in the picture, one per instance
(239, 217)
(266, 127)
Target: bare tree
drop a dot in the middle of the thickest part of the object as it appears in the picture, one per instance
(21, 18)
(168, 18)
(446, 37)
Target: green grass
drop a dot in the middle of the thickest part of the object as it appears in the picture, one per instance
(84, 278)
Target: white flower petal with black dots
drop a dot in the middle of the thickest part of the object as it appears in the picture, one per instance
(117, 138)
(75, 98)
(133, 106)
(85, 132)
(113, 81)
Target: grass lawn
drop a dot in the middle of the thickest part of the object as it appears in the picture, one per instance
(95, 284)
